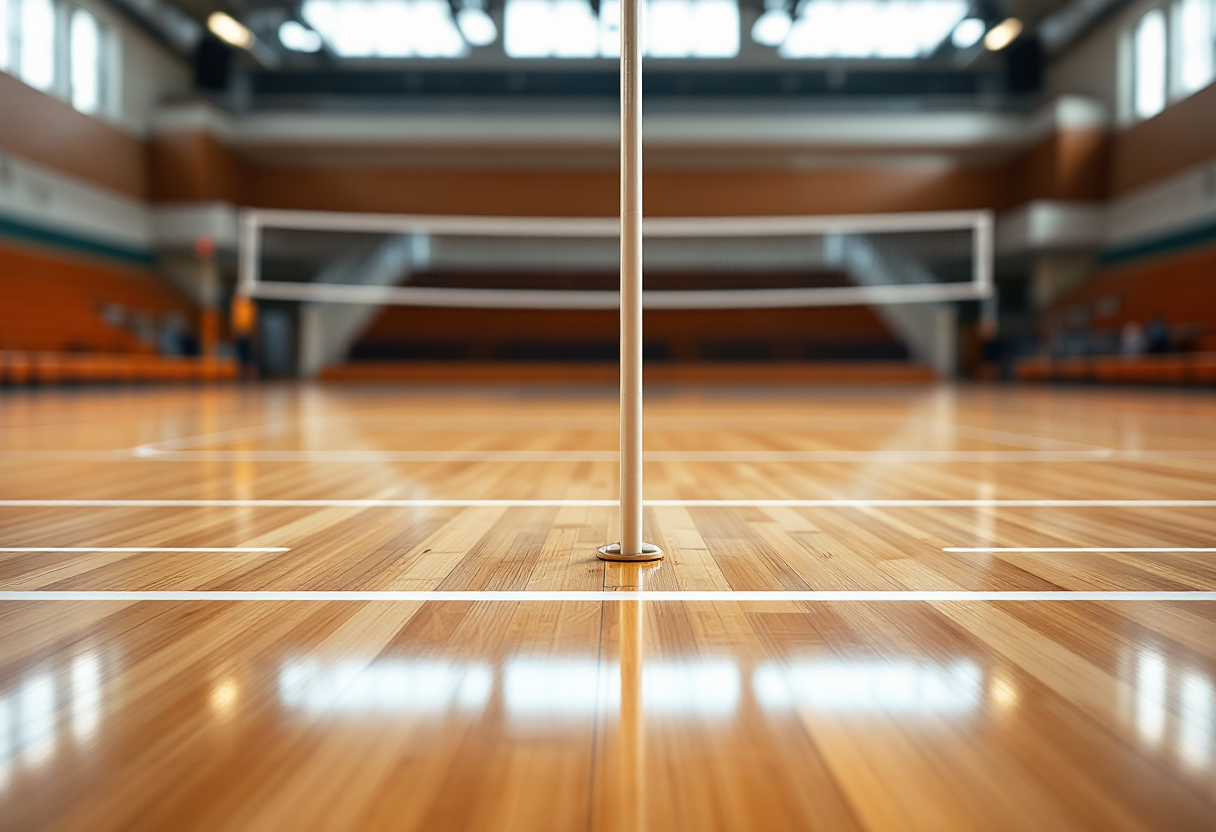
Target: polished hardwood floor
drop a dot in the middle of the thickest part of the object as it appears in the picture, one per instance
(534, 710)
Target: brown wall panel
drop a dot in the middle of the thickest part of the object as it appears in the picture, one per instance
(1181, 136)
(195, 166)
(667, 193)
(1066, 165)
(47, 131)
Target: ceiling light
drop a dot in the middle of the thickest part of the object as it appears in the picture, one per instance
(967, 33)
(298, 38)
(772, 28)
(230, 31)
(1002, 34)
(476, 27)
(871, 29)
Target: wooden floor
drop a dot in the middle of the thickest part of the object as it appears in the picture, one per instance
(133, 696)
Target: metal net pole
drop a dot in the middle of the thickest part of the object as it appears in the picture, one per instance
(631, 546)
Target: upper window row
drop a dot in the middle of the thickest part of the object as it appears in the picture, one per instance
(56, 47)
(1173, 54)
(671, 28)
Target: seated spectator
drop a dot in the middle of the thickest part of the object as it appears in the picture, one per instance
(1131, 339)
(1157, 335)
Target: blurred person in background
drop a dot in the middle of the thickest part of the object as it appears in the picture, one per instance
(244, 317)
(1131, 339)
(1157, 334)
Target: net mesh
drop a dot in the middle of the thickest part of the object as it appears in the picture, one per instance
(687, 264)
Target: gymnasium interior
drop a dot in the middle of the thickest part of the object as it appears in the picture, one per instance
(320, 415)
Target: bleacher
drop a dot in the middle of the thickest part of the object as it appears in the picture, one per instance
(793, 344)
(1082, 330)
(68, 320)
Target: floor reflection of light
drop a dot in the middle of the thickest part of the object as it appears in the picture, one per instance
(36, 719)
(571, 687)
(223, 697)
(86, 696)
(1002, 693)
(862, 686)
(703, 687)
(395, 685)
(554, 687)
(7, 746)
(1198, 720)
(1150, 696)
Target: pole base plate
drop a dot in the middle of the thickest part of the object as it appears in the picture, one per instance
(613, 552)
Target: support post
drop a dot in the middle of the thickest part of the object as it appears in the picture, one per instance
(631, 546)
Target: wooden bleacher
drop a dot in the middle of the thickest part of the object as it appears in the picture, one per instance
(1174, 368)
(1180, 289)
(53, 327)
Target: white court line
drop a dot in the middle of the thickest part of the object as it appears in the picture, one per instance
(1098, 455)
(607, 503)
(144, 549)
(1035, 549)
(516, 456)
(600, 595)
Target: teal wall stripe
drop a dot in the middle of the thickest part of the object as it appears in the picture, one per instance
(1199, 235)
(71, 242)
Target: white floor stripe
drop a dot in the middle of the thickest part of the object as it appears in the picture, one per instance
(355, 456)
(651, 456)
(607, 503)
(563, 596)
(144, 549)
(1035, 549)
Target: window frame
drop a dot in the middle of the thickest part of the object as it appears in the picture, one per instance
(1177, 90)
(1158, 11)
(1128, 69)
(109, 71)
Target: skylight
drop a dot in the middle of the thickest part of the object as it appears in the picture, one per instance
(570, 29)
(386, 28)
(870, 28)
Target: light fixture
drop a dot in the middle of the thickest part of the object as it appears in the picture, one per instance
(476, 27)
(298, 38)
(1002, 34)
(967, 33)
(772, 27)
(887, 29)
(230, 31)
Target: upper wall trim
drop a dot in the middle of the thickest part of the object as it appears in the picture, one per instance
(924, 130)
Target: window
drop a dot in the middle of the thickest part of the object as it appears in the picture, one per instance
(670, 29)
(386, 28)
(1170, 59)
(60, 48)
(1194, 45)
(38, 43)
(5, 35)
(1149, 65)
(85, 59)
(870, 29)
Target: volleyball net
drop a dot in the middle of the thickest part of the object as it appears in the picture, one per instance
(573, 263)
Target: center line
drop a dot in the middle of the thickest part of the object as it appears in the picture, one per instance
(560, 596)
